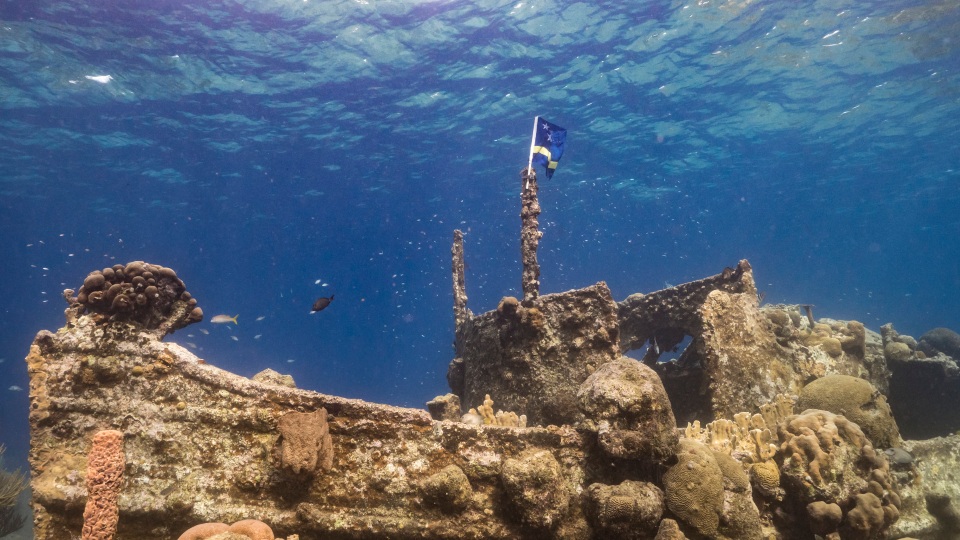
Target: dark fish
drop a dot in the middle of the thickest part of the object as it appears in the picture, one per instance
(321, 303)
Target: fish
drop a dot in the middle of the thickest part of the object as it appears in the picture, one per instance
(235, 338)
(219, 319)
(321, 303)
(204, 331)
(656, 348)
(262, 317)
(15, 388)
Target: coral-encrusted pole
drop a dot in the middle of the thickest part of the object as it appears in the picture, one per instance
(104, 477)
(529, 233)
(460, 311)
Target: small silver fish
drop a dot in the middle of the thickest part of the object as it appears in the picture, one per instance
(204, 331)
(221, 319)
(262, 317)
(235, 338)
(15, 388)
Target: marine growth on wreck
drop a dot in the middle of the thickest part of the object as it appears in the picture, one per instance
(768, 424)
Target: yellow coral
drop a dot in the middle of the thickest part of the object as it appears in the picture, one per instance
(765, 477)
(499, 418)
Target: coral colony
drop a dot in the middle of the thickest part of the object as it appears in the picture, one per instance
(769, 424)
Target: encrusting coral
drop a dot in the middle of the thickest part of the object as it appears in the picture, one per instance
(104, 478)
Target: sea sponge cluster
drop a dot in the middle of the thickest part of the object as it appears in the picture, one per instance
(147, 294)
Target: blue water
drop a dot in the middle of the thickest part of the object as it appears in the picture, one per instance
(274, 151)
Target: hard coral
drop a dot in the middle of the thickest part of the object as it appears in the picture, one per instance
(628, 510)
(827, 458)
(858, 401)
(694, 488)
(104, 477)
(149, 295)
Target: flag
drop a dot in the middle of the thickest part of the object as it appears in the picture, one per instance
(548, 141)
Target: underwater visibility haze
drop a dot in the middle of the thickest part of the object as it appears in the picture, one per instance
(274, 152)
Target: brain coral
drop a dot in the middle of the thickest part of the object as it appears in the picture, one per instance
(857, 400)
(628, 510)
(147, 294)
(694, 488)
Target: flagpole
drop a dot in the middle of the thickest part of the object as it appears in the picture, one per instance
(533, 141)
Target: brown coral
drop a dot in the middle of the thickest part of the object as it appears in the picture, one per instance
(631, 409)
(104, 478)
(827, 458)
(149, 295)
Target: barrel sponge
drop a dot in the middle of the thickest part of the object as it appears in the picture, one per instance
(694, 488)
(149, 295)
(449, 489)
(535, 488)
(857, 400)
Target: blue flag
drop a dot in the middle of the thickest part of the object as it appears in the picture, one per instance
(548, 141)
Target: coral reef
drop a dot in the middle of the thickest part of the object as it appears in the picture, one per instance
(104, 479)
(149, 295)
(484, 415)
(445, 407)
(12, 485)
(448, 490)
(536, 489)
(858, 401)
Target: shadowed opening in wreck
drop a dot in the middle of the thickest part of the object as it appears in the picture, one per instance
(676, 358)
